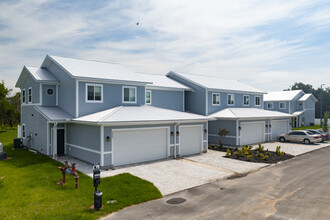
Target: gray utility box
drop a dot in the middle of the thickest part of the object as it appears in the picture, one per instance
(3, 155)
(1, 147)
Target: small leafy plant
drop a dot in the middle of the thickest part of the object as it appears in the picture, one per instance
(260, 148)
(228, 153)
(279, 152)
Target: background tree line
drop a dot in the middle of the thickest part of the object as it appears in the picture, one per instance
(317, 94)
(10, 107)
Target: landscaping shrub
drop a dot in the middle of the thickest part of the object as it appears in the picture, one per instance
(260, 148)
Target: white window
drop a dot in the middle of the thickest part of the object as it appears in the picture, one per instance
(94, 93)
(23, 96)
(148, 97)
(30, 95)
(257, 101)
(282, 105)
(215, 98)
(270, 105)
(23, 131)
(231, 99)
(129, 94)
(246, 100)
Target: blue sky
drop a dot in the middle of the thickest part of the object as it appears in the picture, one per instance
(267, 44)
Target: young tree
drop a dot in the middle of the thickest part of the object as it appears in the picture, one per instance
(222, 133)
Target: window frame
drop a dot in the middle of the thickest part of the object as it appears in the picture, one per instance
(255, 100)
(23, 96)
(29, 95)
(280, 105)
(233, 95)
(218, 94)
(270, 103)
(135, 94)
(247, 99)
(148, 90)
(86, 93)
(23, 131)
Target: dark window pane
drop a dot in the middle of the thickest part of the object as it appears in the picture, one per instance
(97, 93)
(126, 94)
(90, 95)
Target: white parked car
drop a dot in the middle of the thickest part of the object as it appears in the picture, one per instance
(305, 137)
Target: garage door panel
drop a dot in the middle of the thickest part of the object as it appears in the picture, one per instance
(134, 146)
(190, 140)
(279, 127)
(252, 133)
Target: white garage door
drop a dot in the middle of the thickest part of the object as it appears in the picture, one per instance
(252, 132)
(190, 140)
(279, 127)
(139, 145)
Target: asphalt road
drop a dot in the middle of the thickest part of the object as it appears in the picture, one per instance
(295, 189)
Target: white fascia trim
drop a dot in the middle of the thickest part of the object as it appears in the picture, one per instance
(129, 87)
(216, 93)
(86, 93)
(30, 104)
(236, 91)
(77, 98)
(233, 99)
(48, 138)
(102, 145)
(143, 128)
(168, 88)
(255, 98)
(248, 100)
(28, 96)
(148, 90)
(83, 148)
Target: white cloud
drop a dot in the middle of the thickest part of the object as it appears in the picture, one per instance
(253, 41)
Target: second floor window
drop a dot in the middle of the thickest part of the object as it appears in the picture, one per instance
(94, 93)
(231, 99)
(129, 94)
(270, 105)
(23, 96)
(148, 97)
(282, 105)
(215, 98)
(246, 100)
(258, 101)
(30, 95)
(23, 131)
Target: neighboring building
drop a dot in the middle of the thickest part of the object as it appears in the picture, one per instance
(294, 102)
(237, 107)
(99, 112)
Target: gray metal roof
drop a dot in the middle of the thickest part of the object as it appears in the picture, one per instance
(139, 114)
(248, 113)
(38, 74)
(162, 82)
(215, 83)
(306, 96)
(87, 69)
(282, 95)
(54, 113)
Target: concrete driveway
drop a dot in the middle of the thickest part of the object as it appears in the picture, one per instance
(175, 175)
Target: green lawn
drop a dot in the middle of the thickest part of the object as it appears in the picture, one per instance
(307, 127)
(28, 188)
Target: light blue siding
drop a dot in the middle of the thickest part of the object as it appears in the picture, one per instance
(214, 127)
(84, 155)
(224, 100)
(194, 100)
(30, 82)
(36, 126)
(112, 97)
(276, 107)
(167, 99)
(67, 88)
(48, 100)
(85, 136)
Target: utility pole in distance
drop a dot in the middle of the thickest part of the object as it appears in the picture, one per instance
(321, 105)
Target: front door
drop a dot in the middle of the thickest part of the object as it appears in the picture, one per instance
(60, 142)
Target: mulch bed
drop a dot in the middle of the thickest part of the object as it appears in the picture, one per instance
(272, 156)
